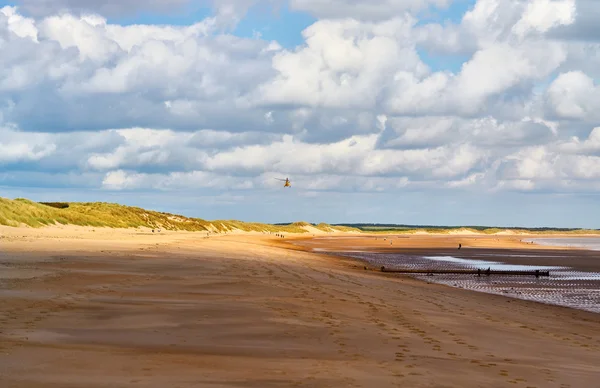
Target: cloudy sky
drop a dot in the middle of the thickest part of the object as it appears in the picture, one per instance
(453, 112)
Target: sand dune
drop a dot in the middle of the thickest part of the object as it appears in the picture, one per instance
(117, 308)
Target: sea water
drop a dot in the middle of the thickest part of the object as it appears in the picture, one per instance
(564, 287)
(492, 265)
(591, 243)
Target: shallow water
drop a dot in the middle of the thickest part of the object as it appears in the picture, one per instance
(564, 287)
(493, 265)
(519, 255)
(592, 243)
(346, 250)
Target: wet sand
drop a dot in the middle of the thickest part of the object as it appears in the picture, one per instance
(574, 273)
(180, 310)
(507, 249)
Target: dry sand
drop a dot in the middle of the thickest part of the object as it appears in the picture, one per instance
(114, 308)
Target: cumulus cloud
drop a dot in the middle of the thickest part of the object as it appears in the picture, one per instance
(486, 132)
(491, 21)
(574, 95)
(39, 8)
(226, 14)
(345, 63)
(358, 107)
(364, 10)
(169, 77)
(231, 10)
(12, 151)
(541, 168)
(585, 27)
(119, 180)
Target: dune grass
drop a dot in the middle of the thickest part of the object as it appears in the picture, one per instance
(259, 227)
(99, 214)
(401, 229)
(20, 211)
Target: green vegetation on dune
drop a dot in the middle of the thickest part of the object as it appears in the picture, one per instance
(99, 214)
(323, 227)
(259, 227)
(21, 211)
(330, 228)
(410, 229)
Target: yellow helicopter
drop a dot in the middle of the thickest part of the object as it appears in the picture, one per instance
(287, 182)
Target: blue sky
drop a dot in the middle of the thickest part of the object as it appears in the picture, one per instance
(282, 25)
(201, 126)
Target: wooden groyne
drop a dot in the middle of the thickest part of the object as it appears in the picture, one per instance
(480, 272)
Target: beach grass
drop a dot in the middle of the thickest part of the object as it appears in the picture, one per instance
(401, 229)
(24, 212)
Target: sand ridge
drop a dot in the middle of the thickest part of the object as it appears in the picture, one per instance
(111, 308)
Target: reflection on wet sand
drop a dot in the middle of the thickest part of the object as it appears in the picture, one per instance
(574, 279)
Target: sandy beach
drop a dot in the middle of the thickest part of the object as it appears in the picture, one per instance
(86, 307)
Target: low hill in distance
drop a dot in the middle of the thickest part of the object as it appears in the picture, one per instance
(24, 212)
(404, 228)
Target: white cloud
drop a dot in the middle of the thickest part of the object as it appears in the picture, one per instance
(23, 152)
(345, 63)
(542, 15)
(120, 180)
(574, 95)
(500, 67)
(20, 147)
(566, 165)
(357, 108)
(486, 132)
(21, 26)
(366, 10)
(40, 8)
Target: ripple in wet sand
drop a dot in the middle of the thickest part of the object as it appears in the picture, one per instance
(564, 287)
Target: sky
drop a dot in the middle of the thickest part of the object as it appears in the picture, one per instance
(447, 112)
